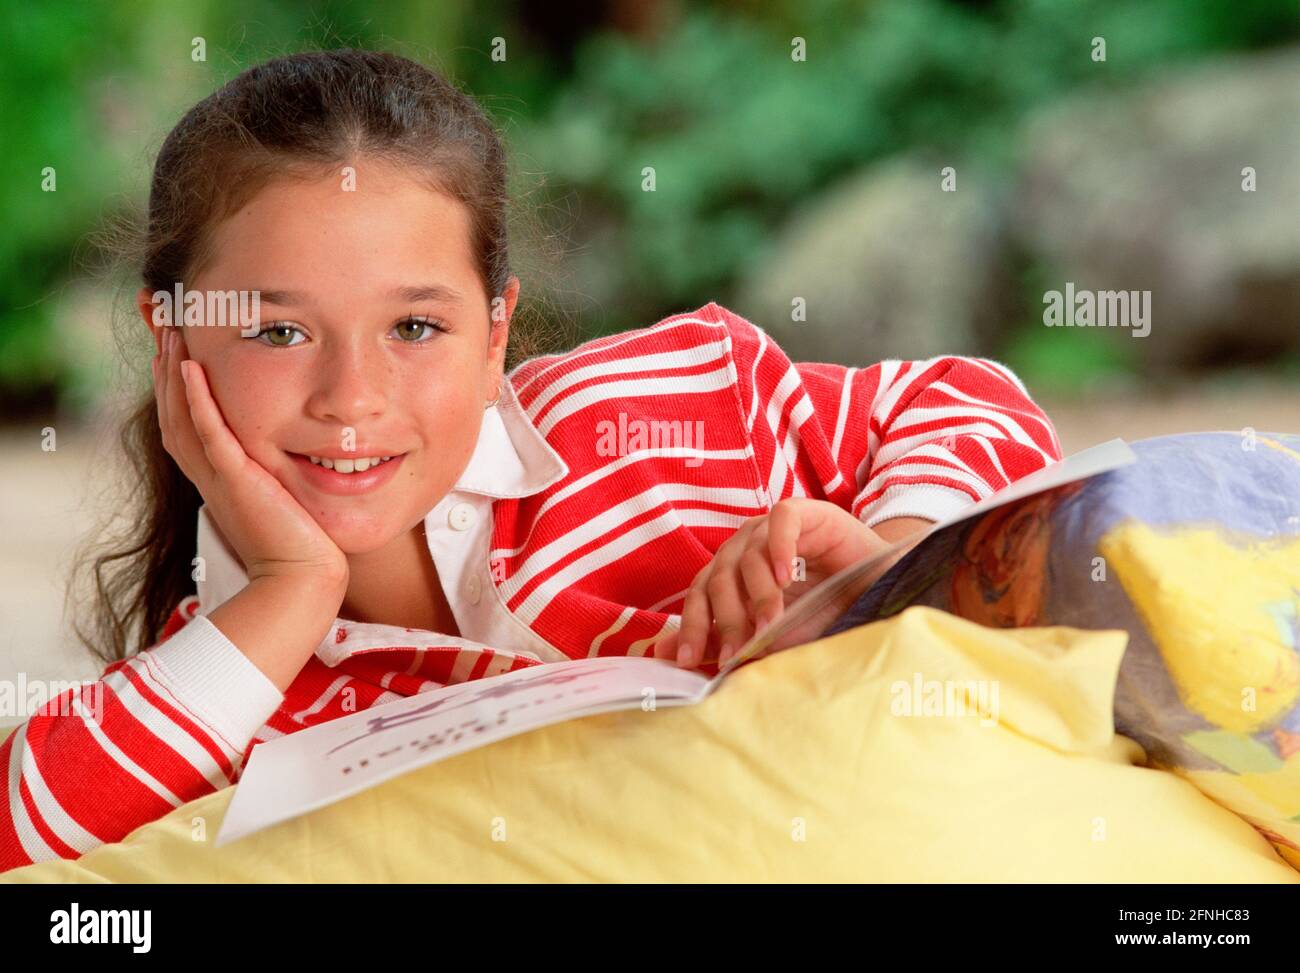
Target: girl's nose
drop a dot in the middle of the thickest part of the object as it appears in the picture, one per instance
(349, 386)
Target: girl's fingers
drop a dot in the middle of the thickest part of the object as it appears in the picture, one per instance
(702, 606)
(185, 446)
(765, 595)
(697, 614)
(728, 606)
(219, 444)
(666, 647)
(693, 636)
(166, 412)
(783, 528)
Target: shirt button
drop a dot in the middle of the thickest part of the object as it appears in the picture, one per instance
(461, 516)
(474, 589)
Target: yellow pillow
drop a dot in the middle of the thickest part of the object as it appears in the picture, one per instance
(804, 766)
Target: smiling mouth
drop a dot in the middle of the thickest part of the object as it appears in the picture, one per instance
(356, 464)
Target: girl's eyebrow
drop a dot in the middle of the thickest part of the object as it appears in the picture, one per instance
(427, 292)
(410, 295)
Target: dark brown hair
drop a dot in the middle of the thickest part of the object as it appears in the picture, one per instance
(300, 115)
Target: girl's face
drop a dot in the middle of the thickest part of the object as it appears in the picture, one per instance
(375, 341)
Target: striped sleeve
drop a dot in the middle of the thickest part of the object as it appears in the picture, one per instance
(895, 439)
(157, 730)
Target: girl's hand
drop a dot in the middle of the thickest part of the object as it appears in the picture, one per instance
(752, 577)
(270, 531)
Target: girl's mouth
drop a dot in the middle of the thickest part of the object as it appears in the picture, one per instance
(347, 476)
(358, 464)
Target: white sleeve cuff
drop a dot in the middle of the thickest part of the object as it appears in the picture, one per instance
(923, 500)
(215, 680)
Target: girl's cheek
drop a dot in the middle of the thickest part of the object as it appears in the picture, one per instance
(241, 405)
(250, 412)
(439, 402)
(453, 430)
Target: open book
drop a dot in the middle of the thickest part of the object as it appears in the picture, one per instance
(294, 774)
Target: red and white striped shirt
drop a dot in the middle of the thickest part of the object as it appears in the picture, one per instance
(602, 482)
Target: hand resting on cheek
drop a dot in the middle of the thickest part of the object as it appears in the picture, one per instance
(271, 532)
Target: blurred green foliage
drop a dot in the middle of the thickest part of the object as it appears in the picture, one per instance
(738, 133)
(46, 120)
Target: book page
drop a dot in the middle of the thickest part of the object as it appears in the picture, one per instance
(311, 768)
(817, 609)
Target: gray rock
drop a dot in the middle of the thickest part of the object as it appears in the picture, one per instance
(1143, 191)
(889, 266)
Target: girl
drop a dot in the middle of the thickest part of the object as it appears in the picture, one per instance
(370, 505)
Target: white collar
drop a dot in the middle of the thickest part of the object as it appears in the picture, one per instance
(511, 459)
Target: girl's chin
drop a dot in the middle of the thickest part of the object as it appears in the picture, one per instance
(361, 535)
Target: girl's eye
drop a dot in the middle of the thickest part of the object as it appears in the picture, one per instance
(273, 333)
(412, 329)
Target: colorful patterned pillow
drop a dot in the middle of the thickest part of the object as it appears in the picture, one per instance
(1195, 551)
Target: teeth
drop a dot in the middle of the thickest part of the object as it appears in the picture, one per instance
(359, 465)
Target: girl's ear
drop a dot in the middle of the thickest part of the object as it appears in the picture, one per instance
(504, 308)
(500, 313)
(154, 313)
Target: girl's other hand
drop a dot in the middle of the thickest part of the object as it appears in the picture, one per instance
(272, 532)
(751, 578)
